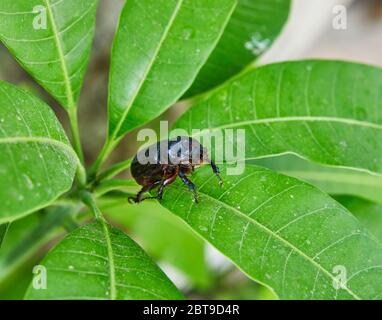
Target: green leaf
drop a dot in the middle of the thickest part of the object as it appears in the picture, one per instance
(335, 181)
(253, 27)
(283, 233)
(326, 111)
(56, 56)
(158, 50)
(165, 237)
(3, 232)
(98, 261)
(37, 163)
(367, 212)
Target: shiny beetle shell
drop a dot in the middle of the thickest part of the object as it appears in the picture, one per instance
(161, 163)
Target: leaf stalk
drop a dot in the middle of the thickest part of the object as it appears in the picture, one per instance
(73, 118)
(90, 201)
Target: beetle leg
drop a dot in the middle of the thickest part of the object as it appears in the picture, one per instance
(216, 170)
(164, 184)
(190, 185)
(145, 189)
(138, 198)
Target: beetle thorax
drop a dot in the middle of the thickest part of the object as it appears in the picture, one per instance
(185, 151)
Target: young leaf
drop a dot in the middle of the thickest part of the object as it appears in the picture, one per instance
(158, 50)
(253, 27)
(98, 261)
(37, 163)
(52, 40)
(283, 233)
(326, 111)
(335, 181)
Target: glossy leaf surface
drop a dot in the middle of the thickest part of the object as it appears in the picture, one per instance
(37, 164)
(283, 233)
(51, 39)
(100, 262)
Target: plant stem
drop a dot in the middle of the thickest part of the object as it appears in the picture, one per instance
(81, 172)
(67, 201)
(89, 200)
(105, 152)
(75, 132)
(115, 169)
(81, 175)
(111, 185)
(3, 232)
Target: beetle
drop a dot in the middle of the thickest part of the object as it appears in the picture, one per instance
(159, 164)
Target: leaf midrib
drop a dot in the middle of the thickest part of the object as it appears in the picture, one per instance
(60, 51)
(281, 239)
(111, 263)
(296, 119)
(42, 140)
(336, 177)
(148, 69)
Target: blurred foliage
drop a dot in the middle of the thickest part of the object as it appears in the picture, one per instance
(369, 213)
(27, 241)
(14, 286)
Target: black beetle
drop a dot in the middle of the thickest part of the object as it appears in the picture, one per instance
(162, 162)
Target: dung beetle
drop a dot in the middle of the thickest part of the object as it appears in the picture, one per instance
(159, 164)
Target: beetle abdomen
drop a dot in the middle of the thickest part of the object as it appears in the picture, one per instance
(146, 173)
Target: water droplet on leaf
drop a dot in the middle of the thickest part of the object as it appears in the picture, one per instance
(257, 44)
(188, 33)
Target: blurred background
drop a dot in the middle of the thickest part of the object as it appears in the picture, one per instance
(196, 268)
